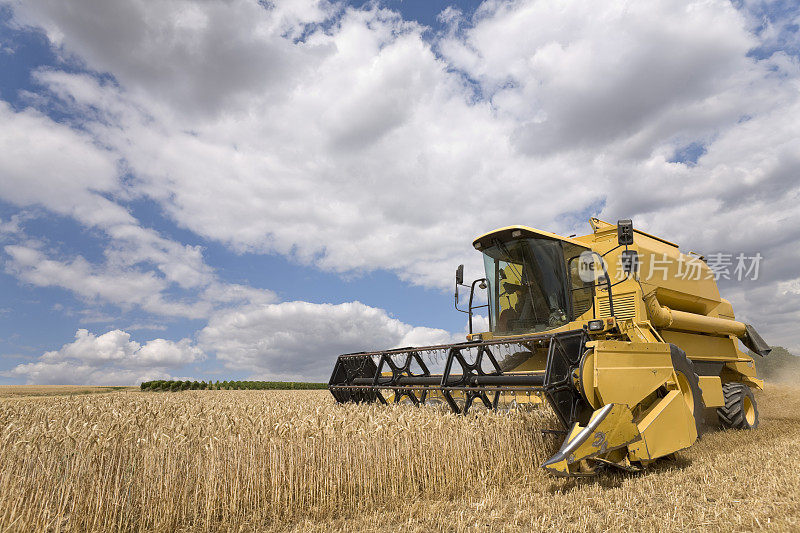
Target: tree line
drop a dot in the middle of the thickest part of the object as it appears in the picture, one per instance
(178, 385)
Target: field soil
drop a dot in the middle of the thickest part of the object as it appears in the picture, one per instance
(293, 460)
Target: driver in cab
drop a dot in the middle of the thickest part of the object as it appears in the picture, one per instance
(522, 305)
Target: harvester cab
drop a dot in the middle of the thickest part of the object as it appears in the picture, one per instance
(536, 281)
(626, 338)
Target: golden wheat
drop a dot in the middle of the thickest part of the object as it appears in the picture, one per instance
(27, 391)
(277, 460)
(217, 459)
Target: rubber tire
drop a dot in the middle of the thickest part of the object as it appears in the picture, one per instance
(684, 365)
(732, 414)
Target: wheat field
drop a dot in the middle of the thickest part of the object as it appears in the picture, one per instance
(294, 460)
(31, 391)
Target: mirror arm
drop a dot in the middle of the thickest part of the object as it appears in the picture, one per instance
(456, 303)
(471, 296)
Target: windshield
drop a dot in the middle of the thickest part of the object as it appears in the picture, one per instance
(528, 287)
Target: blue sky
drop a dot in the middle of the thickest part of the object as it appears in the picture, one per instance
(232, 190)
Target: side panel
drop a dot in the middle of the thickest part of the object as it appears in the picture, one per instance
(712, 391)
(704, 347)
(626, 372)
(667, 428)
(723, 310)
(744, 367)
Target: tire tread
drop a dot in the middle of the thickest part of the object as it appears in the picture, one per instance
(732, 414)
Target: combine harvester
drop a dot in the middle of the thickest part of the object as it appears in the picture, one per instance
(628, 362)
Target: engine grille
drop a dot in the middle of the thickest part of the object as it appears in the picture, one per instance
(624, 306)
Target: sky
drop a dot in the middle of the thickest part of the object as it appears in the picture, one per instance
(244, 190)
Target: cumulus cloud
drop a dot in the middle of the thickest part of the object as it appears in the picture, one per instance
(381, 136)
(586, 75)
(127, 287)
(68, 172)
(10, 227)
(225, 52)
(380, 156)
(301, 339)
(108, 359)
(347, 139)
(290, 340)
(46, 163)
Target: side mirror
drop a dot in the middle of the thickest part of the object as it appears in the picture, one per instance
(630, 261)
(460, 275)
(625, 232)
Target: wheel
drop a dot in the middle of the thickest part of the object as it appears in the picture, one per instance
(689, 384)
(740, 411)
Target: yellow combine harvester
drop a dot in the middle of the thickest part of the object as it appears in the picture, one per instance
(626, 338)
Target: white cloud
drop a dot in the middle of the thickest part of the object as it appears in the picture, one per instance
(50, 164)
(259, 182)
(126, 288)
(108, 359)
(66, 171)
(129, 287)
(358, 147)
(73, 373)
(480, 323)
(585, 75)
(301, 339)
(379, 156)
(112, 346)
(10, 227)
(180, 264)
(197, 57)
(146, 326)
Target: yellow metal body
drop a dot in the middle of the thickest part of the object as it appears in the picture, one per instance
(645, 407)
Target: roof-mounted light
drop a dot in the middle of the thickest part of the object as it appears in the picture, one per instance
(516, 234)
